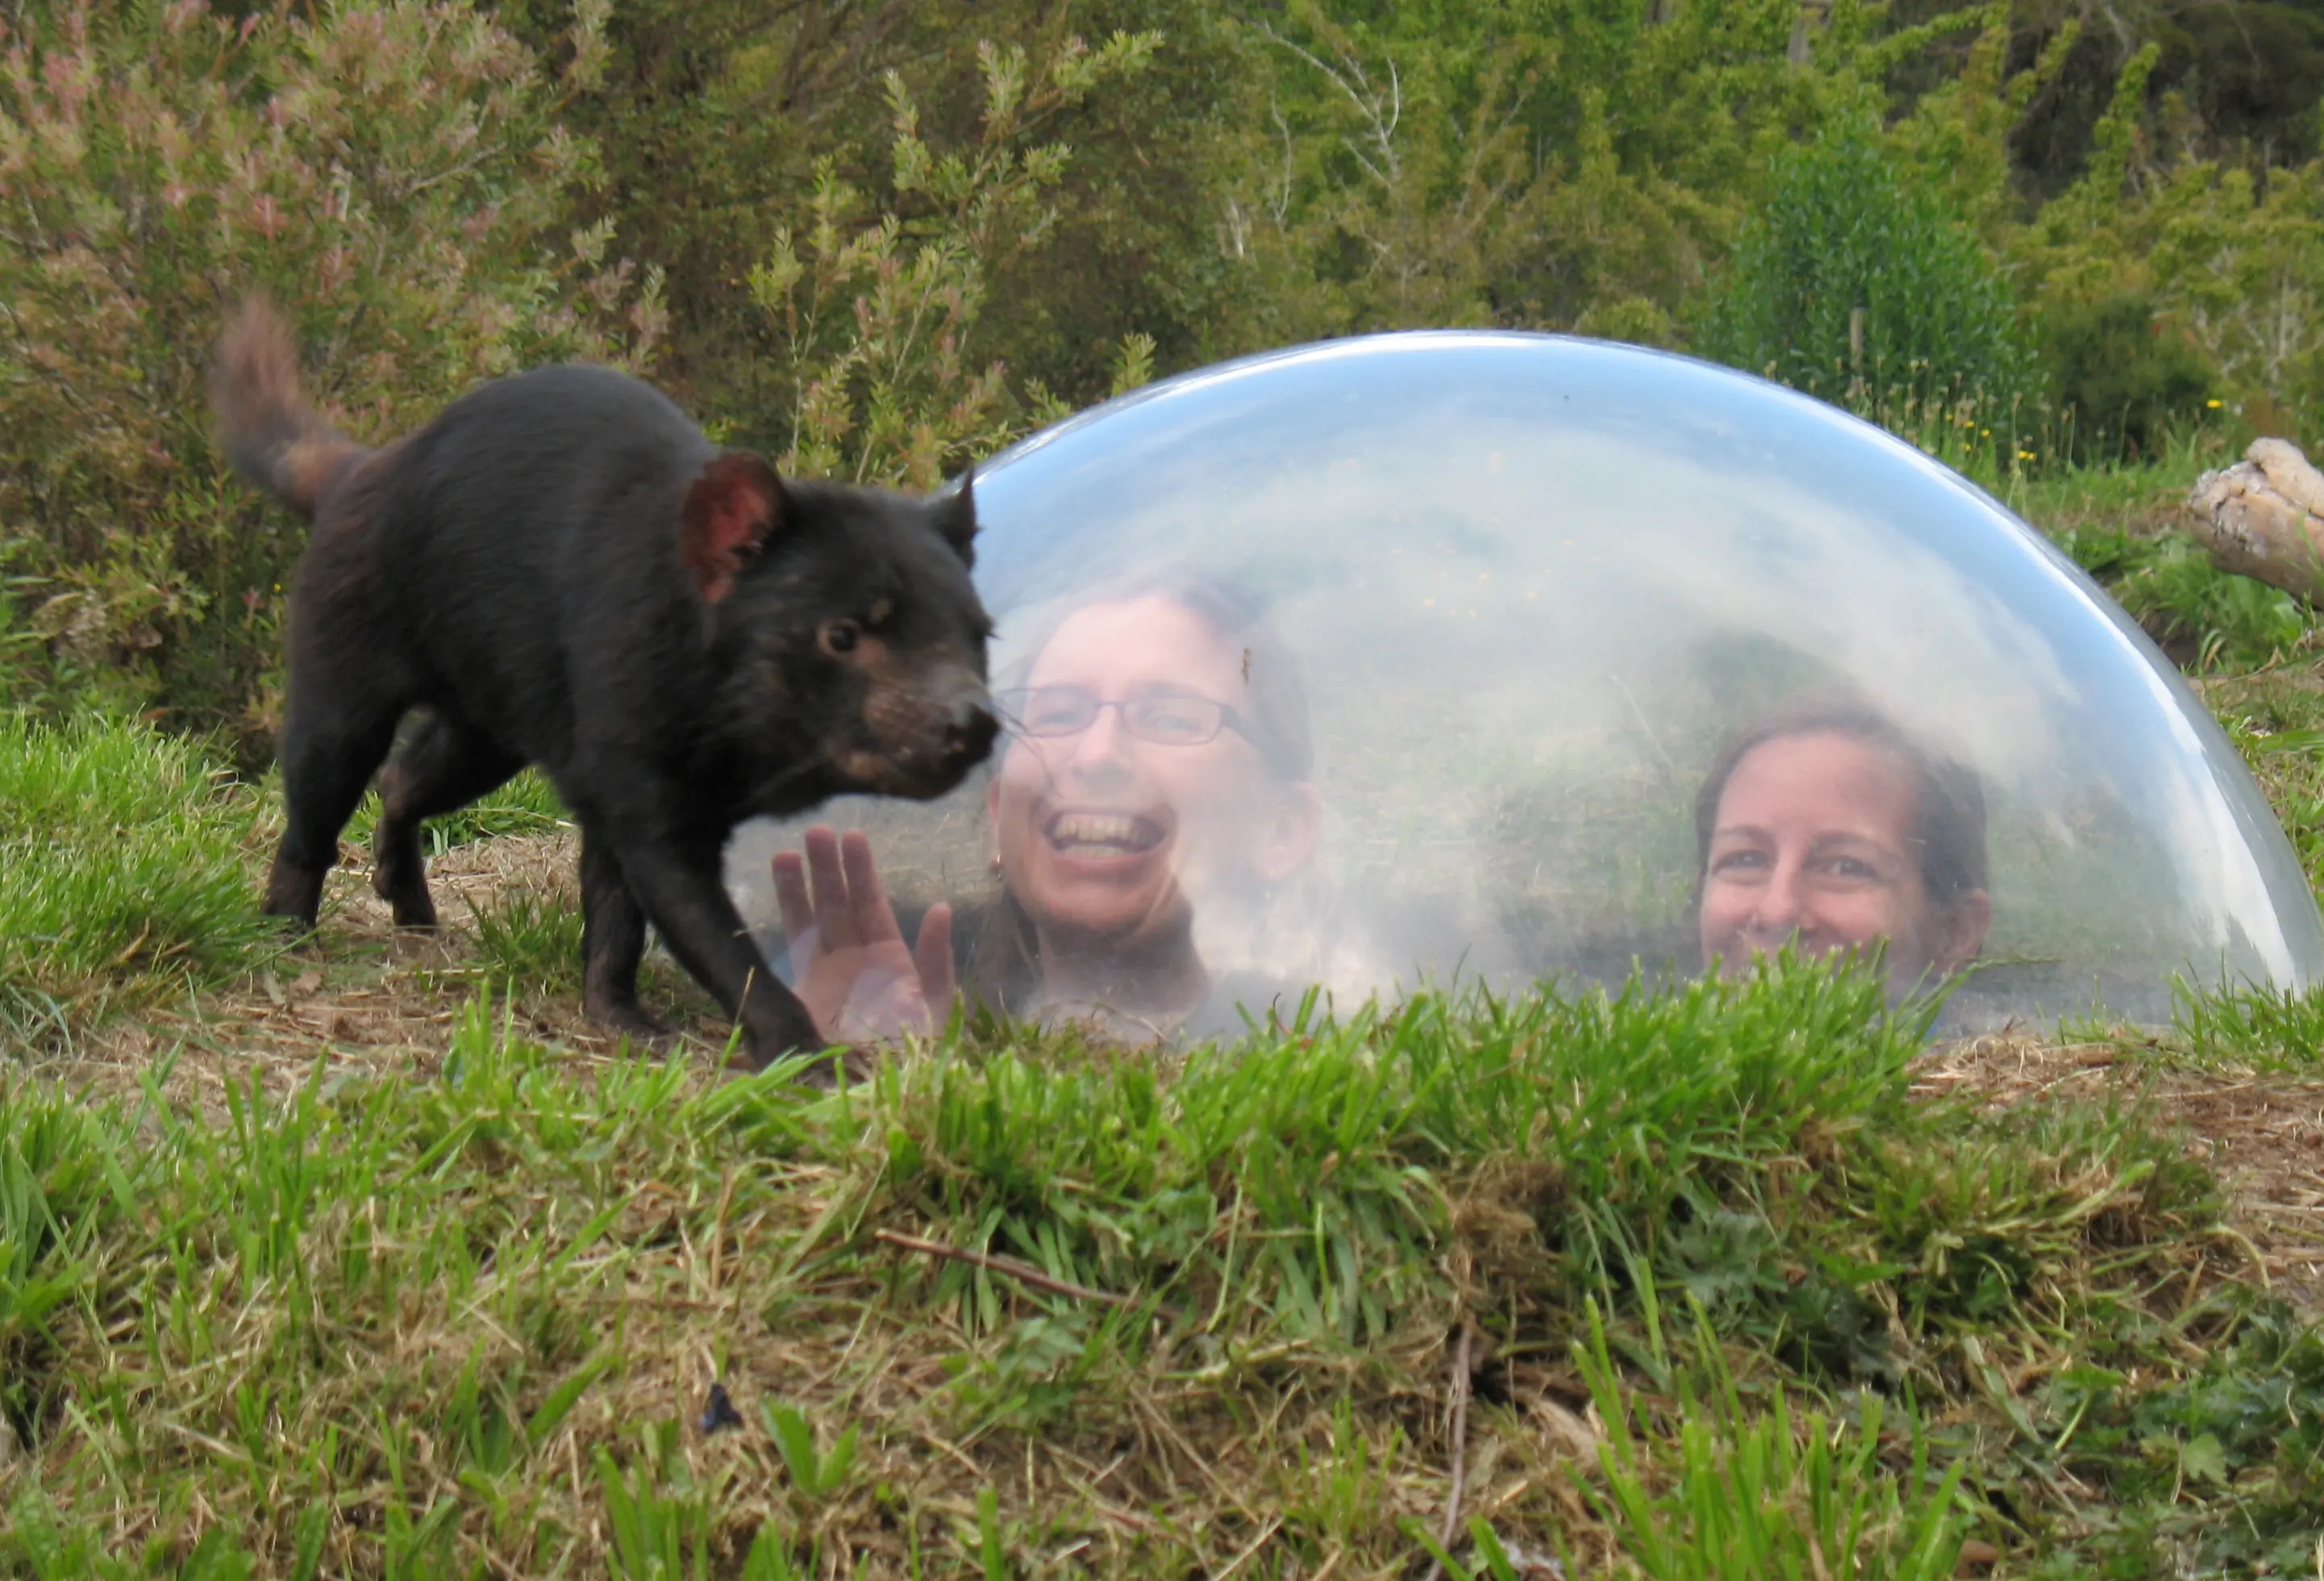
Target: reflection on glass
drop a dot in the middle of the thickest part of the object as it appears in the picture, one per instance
(1152, 818)
(1536, 587)
(1824, 826)
(1184, 803)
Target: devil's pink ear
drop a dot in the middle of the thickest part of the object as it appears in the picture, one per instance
(956, 518)
(731, 511)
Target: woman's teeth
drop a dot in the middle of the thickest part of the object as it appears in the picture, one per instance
(1104, 833)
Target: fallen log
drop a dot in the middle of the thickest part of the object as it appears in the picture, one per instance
(2263, 517)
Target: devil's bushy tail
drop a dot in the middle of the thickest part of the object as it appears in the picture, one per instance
(268, 430)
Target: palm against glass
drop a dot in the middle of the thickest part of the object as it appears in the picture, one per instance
(849, 961)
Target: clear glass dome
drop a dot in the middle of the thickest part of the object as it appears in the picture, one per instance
(1494, 656)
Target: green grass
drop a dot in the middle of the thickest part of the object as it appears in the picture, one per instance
(2252, 1027)
(1752, 1495)
(432, 1326)
(2277, 718)
(527, 805)
(128, 874)
(528, 937)
(132, 860)
(2120, 523)
(2243, 1433)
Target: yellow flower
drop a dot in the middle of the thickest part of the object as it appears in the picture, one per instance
(2212, 404)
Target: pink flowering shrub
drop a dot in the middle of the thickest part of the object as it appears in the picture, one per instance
(394, 175)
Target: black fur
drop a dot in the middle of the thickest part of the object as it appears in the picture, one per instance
(559, 569)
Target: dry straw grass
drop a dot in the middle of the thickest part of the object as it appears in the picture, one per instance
(2262, 1134)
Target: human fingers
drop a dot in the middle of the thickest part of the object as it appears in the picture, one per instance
(791, 897)
(932, 953)
(873, 917)
(829, 886)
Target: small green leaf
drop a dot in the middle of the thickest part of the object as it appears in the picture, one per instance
(795, 1441)
(2203, 1458)
(988, 1527)
(553, 1410)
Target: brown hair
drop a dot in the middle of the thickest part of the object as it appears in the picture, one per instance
(1948, 834)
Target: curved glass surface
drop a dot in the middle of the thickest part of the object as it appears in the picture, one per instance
(1499, 655)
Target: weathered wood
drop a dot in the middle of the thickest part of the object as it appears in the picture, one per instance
(2263, 517)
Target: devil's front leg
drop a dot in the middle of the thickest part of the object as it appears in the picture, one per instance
(612, 940)
(678, 885)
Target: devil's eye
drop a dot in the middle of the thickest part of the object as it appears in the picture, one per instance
(840, 636)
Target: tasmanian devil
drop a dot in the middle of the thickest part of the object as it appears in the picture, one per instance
(560, 569)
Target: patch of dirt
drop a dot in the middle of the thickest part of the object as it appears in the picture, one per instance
(2263, 1135)
(364, 997)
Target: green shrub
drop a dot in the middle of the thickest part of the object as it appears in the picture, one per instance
(2227, 260)
(393, 174)
(2125, 380)
(124, 851)
(1858, 288)
(872, 320)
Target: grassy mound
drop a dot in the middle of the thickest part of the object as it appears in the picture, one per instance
(132, 860)
(1697, 1275)
(127, 871)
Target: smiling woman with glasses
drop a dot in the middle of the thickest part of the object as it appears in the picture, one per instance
(1152, 809)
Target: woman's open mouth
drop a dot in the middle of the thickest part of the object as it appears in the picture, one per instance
(1103, 834)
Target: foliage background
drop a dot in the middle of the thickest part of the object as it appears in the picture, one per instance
(881, 238)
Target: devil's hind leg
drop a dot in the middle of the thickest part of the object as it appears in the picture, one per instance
(440, 765)
(332, 739)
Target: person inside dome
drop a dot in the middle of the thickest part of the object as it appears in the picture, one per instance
(1825, 826)
(1153, 818)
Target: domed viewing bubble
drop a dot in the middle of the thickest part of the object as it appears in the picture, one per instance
(1482, 656)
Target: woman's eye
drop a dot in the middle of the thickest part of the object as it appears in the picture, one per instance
(1171, 722)
(1738, 861)
(1855, 869)
(1055, 713)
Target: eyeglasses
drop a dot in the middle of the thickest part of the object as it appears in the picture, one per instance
(1165, 718)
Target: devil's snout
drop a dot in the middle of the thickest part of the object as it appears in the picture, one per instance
(970, 733)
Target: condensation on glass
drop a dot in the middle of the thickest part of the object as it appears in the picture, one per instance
(1517, 596)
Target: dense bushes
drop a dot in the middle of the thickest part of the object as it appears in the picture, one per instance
(2124, 378)
(898, 234)
(395, 175)
(1853, 286)
(716, 119)
(871, 323)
